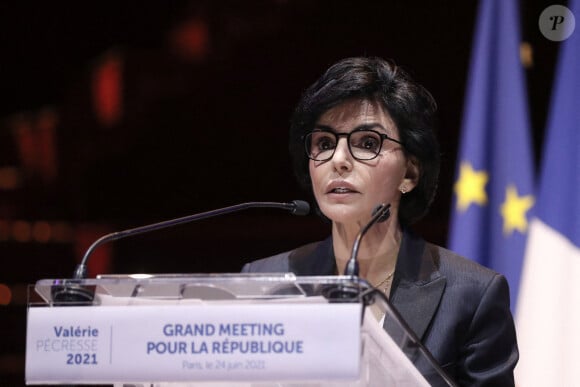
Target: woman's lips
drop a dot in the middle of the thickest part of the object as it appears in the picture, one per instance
(341, 188)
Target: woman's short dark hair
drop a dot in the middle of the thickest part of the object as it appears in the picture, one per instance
(409, 104)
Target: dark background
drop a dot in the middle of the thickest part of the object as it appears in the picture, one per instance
(206, 89)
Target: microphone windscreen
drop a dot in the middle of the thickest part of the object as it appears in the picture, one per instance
(300, 207)
(385, 209)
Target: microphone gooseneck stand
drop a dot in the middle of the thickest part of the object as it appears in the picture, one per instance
(71, 292)
(346, 293)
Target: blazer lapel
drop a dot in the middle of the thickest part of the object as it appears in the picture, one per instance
(418, 285)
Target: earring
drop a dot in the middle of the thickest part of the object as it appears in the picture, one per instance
(402, 189)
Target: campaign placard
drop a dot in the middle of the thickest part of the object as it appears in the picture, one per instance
(199, 342)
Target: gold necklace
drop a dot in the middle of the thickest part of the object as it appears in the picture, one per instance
(385, 283)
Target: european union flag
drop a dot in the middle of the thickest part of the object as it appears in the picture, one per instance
(548, 310)
(494, 179)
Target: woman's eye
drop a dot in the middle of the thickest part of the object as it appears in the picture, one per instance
(368, 143)
(325, 143)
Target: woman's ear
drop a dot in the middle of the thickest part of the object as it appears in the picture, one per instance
(412, 175)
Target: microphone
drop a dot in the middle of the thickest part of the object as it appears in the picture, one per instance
(68, 293)
(381, 213)
(296, 207)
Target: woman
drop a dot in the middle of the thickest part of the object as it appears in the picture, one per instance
(363, 135)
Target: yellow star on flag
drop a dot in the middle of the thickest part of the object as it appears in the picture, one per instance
(514, 210)
(470, 187)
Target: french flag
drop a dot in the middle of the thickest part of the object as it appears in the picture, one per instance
(548, 306)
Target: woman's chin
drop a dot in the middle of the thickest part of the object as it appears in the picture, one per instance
(343, 215)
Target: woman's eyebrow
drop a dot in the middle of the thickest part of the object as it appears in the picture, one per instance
(324, 127)
(367, 126)
(371, 125)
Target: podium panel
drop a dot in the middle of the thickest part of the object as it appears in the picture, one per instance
(235, 330)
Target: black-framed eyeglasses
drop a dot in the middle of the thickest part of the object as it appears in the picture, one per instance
(363, 144)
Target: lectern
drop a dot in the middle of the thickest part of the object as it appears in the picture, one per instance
(221, 330)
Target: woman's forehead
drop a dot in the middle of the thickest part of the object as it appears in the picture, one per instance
(354, 112)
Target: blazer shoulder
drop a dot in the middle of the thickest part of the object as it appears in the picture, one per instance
(458, 268)
(280, 263)
(274, 264)
(471, 283)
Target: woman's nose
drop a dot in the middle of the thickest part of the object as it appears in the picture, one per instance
(342, 158)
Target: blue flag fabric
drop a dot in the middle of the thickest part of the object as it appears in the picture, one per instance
(548, 310)
(493, 190)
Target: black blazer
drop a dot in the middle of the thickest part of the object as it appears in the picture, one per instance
(457, 308)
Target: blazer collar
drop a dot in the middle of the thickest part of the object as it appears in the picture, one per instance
(418, 285)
